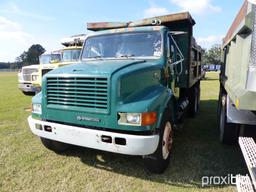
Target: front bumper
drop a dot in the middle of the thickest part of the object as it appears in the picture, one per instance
(133, 145)
(28, 87)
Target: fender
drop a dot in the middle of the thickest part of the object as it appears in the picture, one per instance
(156, 98)
(168, 102)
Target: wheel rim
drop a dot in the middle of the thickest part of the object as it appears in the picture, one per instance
(167, 140)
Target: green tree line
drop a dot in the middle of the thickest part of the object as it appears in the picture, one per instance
(213, 55)
(29, 57)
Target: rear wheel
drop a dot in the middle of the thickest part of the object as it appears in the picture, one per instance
(228, 132)
(159, 160)
(55, 146)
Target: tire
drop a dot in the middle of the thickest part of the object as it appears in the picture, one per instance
(228, 132)
(55, 146)
(194, 100)
(219, 102)
(28, 93)
(159, 160)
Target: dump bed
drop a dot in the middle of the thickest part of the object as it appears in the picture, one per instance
(181, 25)
(239, 59)
(166, 20)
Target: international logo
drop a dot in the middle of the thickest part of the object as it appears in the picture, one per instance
(84, 118)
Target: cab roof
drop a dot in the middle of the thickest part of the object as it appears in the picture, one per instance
(165, 20)
(129, 29)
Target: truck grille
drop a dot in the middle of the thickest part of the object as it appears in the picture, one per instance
(84, 92)
(27, 74)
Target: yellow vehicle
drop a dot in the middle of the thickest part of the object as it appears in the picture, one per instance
(45, 63)
(67, 55)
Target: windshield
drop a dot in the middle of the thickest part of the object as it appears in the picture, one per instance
(47, 58)
(71, 55)
(133, 44)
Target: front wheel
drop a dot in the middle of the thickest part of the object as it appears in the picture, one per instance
(55, 146)
(159, 160)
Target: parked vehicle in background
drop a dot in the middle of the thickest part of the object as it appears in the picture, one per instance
(25, 78)
(46, 60)
(212, 67)
(134, 83)
(237, 97)
(67, 55)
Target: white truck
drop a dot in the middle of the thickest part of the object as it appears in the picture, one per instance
(25, 78)
(28, 75)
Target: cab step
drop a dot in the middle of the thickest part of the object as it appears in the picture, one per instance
(244, 184)
(248, 147)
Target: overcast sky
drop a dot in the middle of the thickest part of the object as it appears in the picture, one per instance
(27, 22)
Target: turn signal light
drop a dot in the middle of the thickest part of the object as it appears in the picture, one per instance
(149, 118)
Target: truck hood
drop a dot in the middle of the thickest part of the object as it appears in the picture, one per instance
(97, 67)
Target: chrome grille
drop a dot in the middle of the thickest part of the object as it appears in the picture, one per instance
(84, 92)
(26, 73)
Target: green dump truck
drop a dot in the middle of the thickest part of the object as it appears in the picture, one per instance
(127, 94)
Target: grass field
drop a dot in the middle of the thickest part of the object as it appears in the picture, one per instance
(25, 165)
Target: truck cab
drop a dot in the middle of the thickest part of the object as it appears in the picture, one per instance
(127, 94)
(67, 55)
(45, 64)
(25, 79)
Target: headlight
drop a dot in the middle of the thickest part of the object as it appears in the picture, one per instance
(137, 119)
(36, 108)
(34, 77)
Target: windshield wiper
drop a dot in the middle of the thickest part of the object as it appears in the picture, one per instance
(96, 57)
(126, 56)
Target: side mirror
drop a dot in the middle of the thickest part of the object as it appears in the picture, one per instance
(171, 51)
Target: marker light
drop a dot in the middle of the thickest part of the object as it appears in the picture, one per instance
(149, 118)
